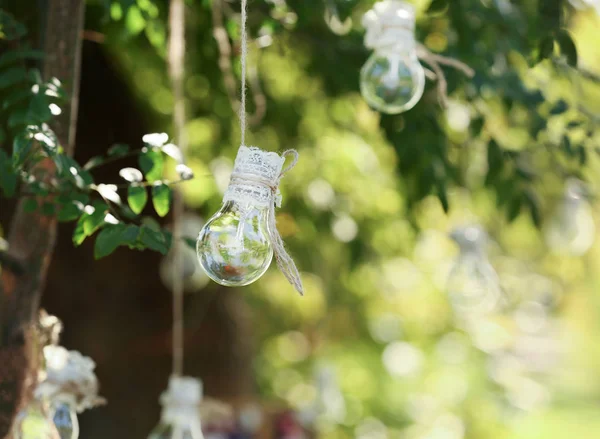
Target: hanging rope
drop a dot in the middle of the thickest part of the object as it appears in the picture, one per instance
(284, 260)
(176, 71)
(244, 62)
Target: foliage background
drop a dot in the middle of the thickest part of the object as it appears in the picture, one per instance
(366, 215)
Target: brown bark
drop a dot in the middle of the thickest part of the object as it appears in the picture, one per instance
(32, 236)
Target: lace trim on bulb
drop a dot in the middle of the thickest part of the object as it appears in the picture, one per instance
(69, 375)
(255, 174)
(390, 25)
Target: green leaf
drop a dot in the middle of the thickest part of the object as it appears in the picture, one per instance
(16, 97)
(118, 150)
(514, 207)
(533, 203)
(546, 48)
(154, 240)
(12, 76)
(69, 211)
(567, 47)
(20, 55)
(93, 221)
(550, 12)
(582, 155)
(79, 233)
(93, 163)
(443, 196)
(10, 29)
(191, 243)
(152, 165)
(39, 109)
(108, 240)
(161, 199)
(137, 197)
(30, 205)
(134, 21)
(437, 6)
(8, 177)
(560, 107)
(48, 209)
(17, 118)
(22, 144)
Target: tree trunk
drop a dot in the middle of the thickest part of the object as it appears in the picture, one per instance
(32, 235)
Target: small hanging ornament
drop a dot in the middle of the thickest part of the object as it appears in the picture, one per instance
(393, 80)
(236, 246)
(180, 418)
(473, 285)
(571, 229)
(70, 387)
(67, 385)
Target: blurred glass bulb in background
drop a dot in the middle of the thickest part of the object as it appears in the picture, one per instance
(34, 422)
(473, 285)
(194, 278)
(63, 410)
(334, 20)
(180, 418)
(571, 229)
(393, 80)
(234, 247)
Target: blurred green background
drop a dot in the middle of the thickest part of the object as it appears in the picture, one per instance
(374, 349)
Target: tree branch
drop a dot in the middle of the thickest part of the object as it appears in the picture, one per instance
(32, 235)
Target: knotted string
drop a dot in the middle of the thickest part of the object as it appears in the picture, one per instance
(284, 260)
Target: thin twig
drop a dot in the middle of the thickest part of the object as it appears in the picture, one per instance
(435, 61)
(93, 36)
(113, 159)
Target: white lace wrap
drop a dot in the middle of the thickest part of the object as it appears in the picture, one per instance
(390, 25)
(181, 402)
(255, 180)
(255, 173)
(69, 377)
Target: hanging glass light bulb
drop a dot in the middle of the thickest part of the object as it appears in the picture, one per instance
(63, 410)
(393, 80)
(236, 246)
(180, 418)
(34, 422)
(572, 229)
(473, 285)
(70, 386)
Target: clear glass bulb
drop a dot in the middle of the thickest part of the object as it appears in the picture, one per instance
(473, 285)
(572, 229)
(234, 248)
(180, 418)
(392, 81)
(33, 422)
(64, 416)
(171, 430)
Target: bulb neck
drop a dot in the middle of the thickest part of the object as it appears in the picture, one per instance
(181, 415)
